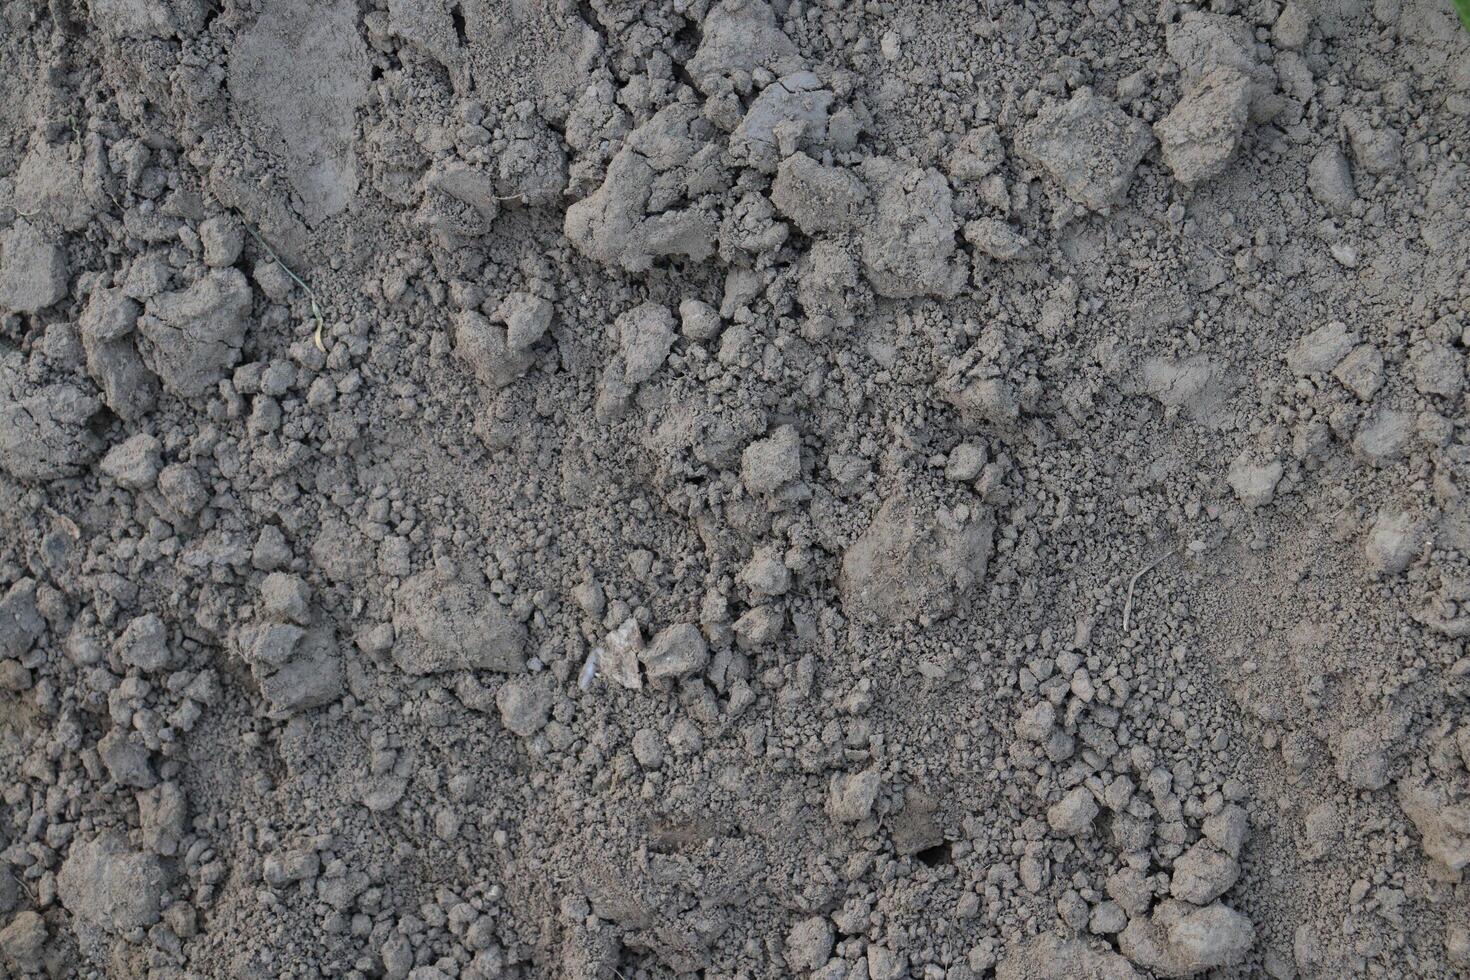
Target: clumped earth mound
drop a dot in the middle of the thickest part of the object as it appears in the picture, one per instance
(734, 488)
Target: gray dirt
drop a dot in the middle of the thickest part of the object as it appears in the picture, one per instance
(735, 489)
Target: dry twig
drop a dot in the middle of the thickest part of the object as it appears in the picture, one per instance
(1133, 582)
(316, 310)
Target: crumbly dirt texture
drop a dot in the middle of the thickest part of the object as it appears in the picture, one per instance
(735, 489)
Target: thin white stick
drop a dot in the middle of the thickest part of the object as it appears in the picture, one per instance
(310, 294)
(1132, 582)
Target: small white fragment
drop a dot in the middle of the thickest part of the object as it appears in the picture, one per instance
(620, 650)
(589, 669)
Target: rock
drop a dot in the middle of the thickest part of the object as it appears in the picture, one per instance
(1443, 825)
(699, 321)
(485, 348)
(1107, 919)
(1179, 940)
(223, 239)
(883, 963)
(1089, 146)
(1437, 369)
(995, 239)
(984, 402)
(913, 562)
(742, 287)
(296, 668)
(271, 550)
(1321, 350)
(614, 394)
(21, 624)
(51, 183)
(1202, 43)
(108, 884)
(286, 598)
(1330, 180)
(1321, 831)
(163, 813)
(915, 827)
(271, 644)
(645, 337)
(382, 793)
(1145, 942)
(476, 200)
(788, 116)
(1036, 722)
(33, 270)
(830, 284)
(1203, 873)
(150, 274)
(1345, 254)
(15, 677)
(769, 464)
(760, 627)
(1457, 945)
(144, 644)
(192, 335)
(286, 867)
(966, 462)
(339, 886)
(1384, 437)
(127, 759)
(648, 748)
(43, 431)
(908, 247)
(850, 798)
(737, 37)
(1361, 371)
(1048, 957)
(310, 678)
(450, 625)
(1195, 385)
(134, 462)
(818, 198)
(1211, 938)
(525, 704)
(677, 651)
(1312, 441)
(620, 656)
(809, 943)
(1254, 483)
(1394, 541)
(1292, 25)
(614, 224)
(527, 317)
(978, 155)
(107, 325)
(1073, 815)
(450, 222)
(431, 30)
(1199, 136)
(23, 941)
(1376, 149)
(1131, 890)
(1228, 829)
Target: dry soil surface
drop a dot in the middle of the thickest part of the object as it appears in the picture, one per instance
(636, 489)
